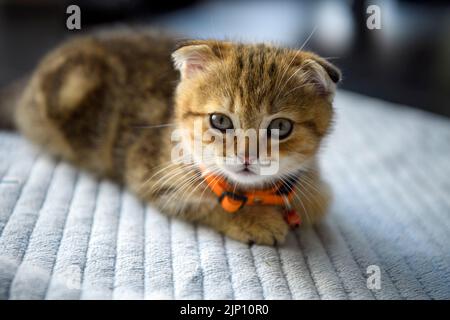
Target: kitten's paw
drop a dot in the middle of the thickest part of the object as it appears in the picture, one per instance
(264, 231)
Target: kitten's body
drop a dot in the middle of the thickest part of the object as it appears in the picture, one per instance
(100, 101)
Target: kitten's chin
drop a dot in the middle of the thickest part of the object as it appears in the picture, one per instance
(248, 179)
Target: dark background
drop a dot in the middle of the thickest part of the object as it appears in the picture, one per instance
(407, 61)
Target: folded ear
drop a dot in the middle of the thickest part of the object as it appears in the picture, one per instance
(191, 59)
(321, 73)
(332, 71)
(194, 56)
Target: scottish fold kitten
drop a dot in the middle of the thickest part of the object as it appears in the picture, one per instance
(113, 103)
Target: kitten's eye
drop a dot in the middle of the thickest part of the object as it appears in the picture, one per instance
(220, 122)
(283, 125)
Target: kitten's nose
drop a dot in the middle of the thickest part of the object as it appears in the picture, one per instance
(246, 160)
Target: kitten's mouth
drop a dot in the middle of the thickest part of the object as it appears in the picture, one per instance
(246, 172)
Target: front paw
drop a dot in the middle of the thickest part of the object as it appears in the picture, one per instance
(264, 228)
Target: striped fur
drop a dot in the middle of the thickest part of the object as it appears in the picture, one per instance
(88, 101)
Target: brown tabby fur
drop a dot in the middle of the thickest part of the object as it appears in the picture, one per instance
(88, 100)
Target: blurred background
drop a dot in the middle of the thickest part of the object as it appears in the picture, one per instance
(406, 61)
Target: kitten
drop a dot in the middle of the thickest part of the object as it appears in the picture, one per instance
(110, 103)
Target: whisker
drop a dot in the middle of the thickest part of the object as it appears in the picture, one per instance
(181, 167)
(319, 204)
(298, 87)
(292, 60)
(309, 37)
(190, 193)
(155, 126)
(184, 184)
(311, 184)
(162, 170)
(169, 176)
(298, 198)
(182, 188)
(293, 74)
(215, 181)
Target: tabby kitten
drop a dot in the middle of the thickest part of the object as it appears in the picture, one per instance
(110, 104)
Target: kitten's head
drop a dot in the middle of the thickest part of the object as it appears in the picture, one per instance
(230, 88)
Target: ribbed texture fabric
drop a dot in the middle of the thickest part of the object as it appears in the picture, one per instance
(65, 235)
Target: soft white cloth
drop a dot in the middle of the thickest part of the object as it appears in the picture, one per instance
(65, 235)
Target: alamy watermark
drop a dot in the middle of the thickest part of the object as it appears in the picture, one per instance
(258, 149)
(374, 277)
(73, 21)
(373, 21)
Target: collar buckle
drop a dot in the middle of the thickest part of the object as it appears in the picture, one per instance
(231, 201)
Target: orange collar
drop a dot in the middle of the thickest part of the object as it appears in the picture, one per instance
(231, 201)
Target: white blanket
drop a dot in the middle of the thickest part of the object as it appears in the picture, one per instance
(65, 235)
